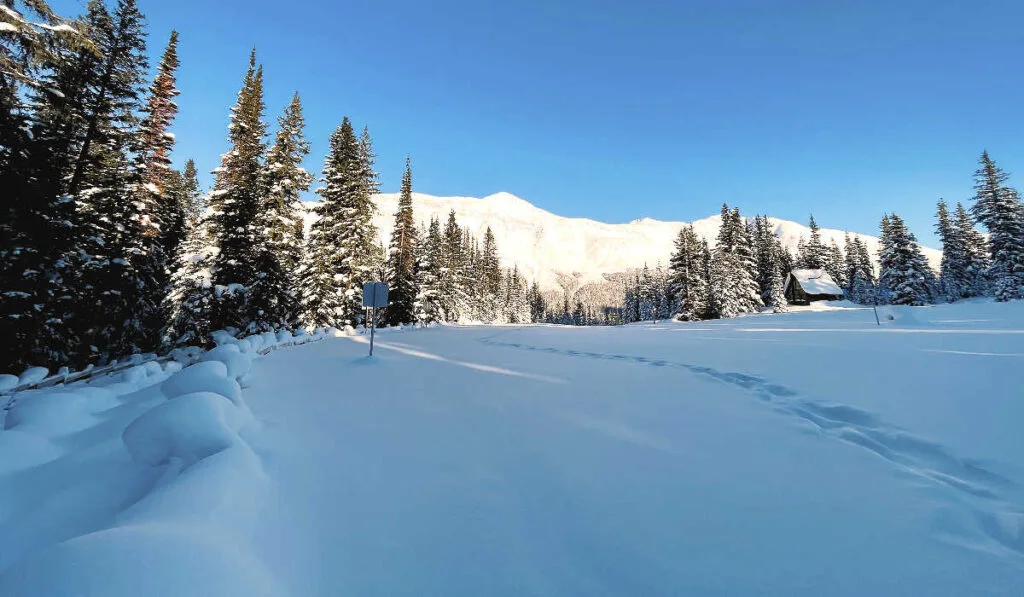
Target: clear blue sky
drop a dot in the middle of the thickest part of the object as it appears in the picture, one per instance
(618, 110)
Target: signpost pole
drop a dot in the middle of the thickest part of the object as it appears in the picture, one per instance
(373, 318)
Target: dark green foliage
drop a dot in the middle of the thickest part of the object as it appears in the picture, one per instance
(273, 300)
(401, 266)
(998, 208)
(905, 278)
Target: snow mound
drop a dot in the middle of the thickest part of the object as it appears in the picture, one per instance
(190, 427)
(8, 382)
(33, 375)
(50, 413)
(238, 364)
(157, 560)
(207, 376)
(219, 491)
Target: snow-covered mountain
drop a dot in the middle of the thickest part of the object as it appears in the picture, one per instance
(545, 245)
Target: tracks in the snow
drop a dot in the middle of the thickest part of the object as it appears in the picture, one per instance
(981, 490)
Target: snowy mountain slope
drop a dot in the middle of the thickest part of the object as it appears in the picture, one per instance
(544, 245)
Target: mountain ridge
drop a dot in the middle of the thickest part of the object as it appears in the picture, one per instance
(547, 247)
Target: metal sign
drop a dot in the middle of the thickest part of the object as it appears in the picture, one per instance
(375, 294)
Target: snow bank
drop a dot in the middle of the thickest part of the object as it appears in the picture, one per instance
(206, 376)
(156, 493)
(232, 356)
(190, 428)
(8, 382)
(54, 413)
(33, 375)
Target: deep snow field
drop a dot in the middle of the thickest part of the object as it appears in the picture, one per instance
(809, 453)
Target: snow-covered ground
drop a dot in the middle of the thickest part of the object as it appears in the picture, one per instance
(809, 453)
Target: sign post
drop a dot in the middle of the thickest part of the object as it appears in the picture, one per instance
(375, 294)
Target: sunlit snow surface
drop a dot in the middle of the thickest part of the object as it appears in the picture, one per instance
(808, 453)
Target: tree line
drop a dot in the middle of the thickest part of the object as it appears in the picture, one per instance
(107, 250)
(747, 269)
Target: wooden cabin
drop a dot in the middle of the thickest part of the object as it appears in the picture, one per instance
(803, 286)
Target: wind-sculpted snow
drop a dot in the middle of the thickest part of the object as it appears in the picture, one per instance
(137, 483)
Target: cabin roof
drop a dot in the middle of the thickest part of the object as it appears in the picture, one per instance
(815, 281)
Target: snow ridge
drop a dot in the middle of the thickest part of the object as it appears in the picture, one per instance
(545, 245)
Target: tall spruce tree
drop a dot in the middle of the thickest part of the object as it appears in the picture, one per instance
(998, 208)
(976, 248)
(428, 276)
(453, 268)
(120, 264)
(273, 301)
(235, 204)
(402, 258)
(686, 282)
(490, 278)
(954, 279)
(38, 261)
(340, 246)
(814, 253)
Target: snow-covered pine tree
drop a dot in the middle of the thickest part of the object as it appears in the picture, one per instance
(998, 208)
(371, 253)
(707, 299)
(646, 296)
(402, 258)
(686, 279)
(191, 302)
(235, 205)
(905, 278)
(976, 249)
(749, 291)
(858, 281)
(536, 303)
(834, 265)
(954, 282)
(121, 265)
(453, 266)
(733, 288)
(37, 259)
(814, 254)
(763, 238)
(154, 155)
(162, 218)
(630, 300)
(339, 250)
(776, 293)
(489, 277)
(272, 298)
(725, 284)
(428, 276)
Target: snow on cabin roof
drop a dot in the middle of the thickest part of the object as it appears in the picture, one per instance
(816, 281)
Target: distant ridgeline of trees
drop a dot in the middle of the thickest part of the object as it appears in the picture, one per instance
(106, 250)
(746, 270)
